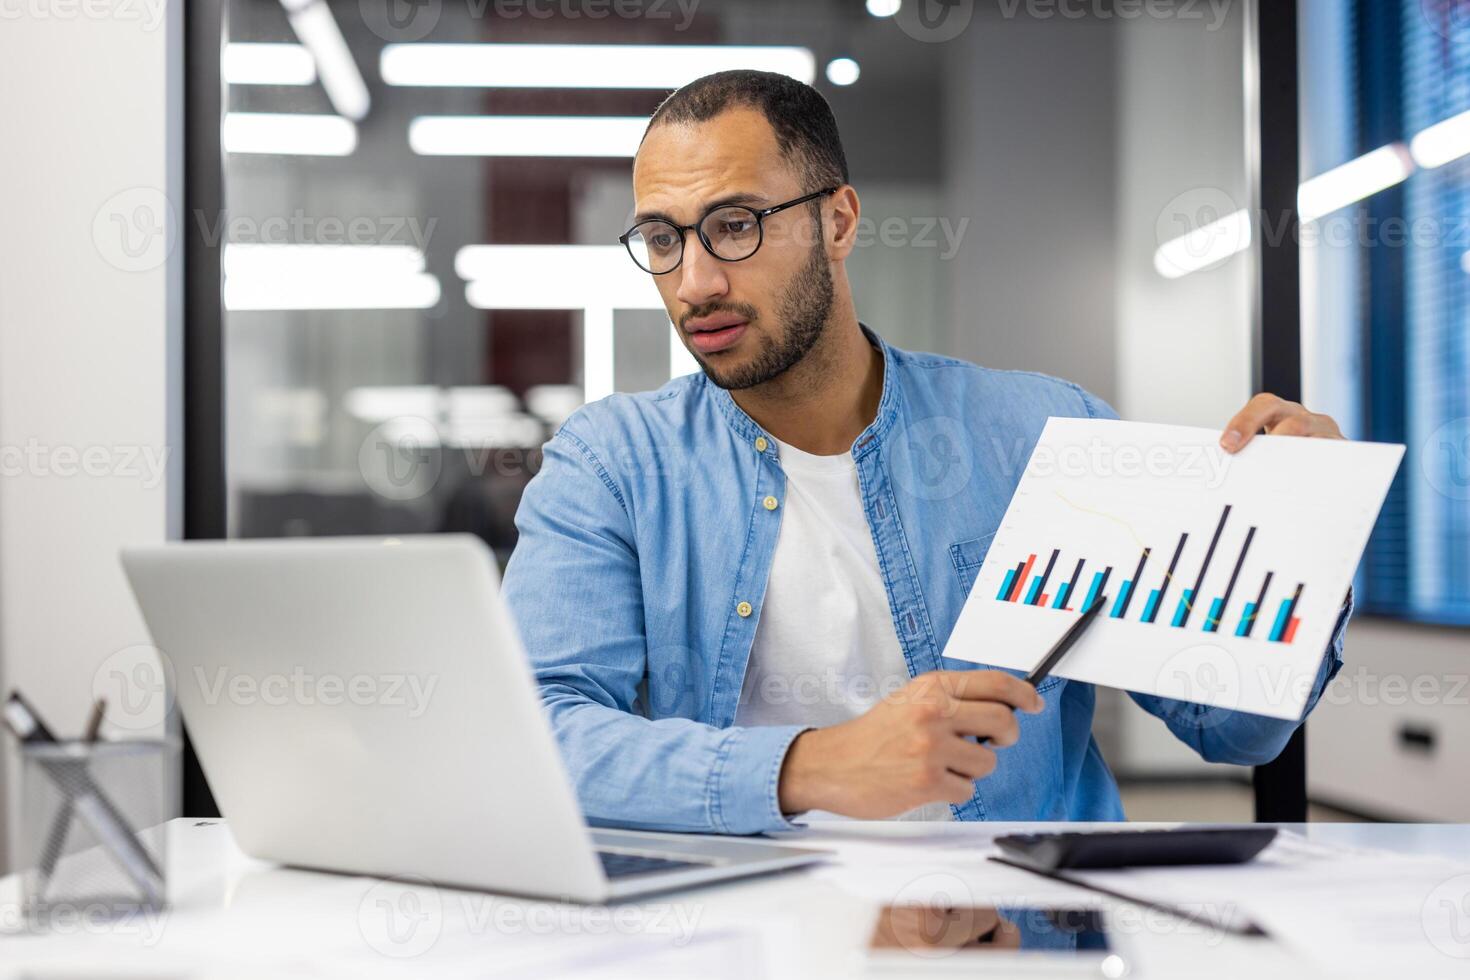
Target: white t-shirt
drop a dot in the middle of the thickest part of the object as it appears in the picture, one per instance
(825, 650)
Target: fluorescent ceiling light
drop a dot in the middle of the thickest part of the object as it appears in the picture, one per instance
(625, 66)
(554, 277)
(327, 277)
(1437, 145)
(1204, 246)
(526, 136)
(264, 260)
(296, 134)
(884, 8)
(843, 71)
(266, 64)
(1353, 181)
(314, 24)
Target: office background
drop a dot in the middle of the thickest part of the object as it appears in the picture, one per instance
(1020, 178)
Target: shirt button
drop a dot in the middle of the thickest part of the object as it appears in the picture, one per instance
(743, 609)
(761, 444)
(770, 503)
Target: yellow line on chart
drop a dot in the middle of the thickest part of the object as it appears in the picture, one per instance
(1097, 513)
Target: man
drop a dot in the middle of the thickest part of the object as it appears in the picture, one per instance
(735, 590)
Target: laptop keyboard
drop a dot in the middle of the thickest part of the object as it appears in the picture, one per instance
(622, 865)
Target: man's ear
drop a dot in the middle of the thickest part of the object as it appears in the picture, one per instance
(846, 210)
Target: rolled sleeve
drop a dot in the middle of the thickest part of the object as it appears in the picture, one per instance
(745, 783)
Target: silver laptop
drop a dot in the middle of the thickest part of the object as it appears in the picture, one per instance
(365, 706)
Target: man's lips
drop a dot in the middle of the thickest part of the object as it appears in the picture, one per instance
(712, 334)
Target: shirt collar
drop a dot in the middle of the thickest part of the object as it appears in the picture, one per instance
(868, 440)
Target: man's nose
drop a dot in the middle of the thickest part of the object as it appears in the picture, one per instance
(701, 275)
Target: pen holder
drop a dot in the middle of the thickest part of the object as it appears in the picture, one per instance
(92, 828)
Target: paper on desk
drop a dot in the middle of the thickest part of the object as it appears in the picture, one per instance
(1224, 575)
(1349, 911)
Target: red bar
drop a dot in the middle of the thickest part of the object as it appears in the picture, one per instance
(1020, 580)
(1290, 630)
(1041, 599)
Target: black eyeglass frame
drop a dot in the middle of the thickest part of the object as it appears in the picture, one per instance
(760, 226)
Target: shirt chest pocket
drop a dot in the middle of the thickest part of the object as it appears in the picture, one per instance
(967, 557)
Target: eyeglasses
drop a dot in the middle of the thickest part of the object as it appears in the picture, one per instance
(730, 233)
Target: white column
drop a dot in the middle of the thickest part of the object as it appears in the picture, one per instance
(597, 353)
(90, 294)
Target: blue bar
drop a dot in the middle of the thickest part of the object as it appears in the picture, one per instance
(1245, 619)
(1005, 587)
(1212, 622)
(1122, 600)
(1097, 578)
(1061, 599)
(1148, 610)
(1281, 619)
(1183, 607)
(1035, 590)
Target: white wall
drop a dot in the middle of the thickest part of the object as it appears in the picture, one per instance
(88, 339)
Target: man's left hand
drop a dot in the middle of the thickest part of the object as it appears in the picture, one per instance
(1276, 417)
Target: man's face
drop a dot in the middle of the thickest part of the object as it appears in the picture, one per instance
(745, 322)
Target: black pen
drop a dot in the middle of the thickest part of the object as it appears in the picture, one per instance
(1055, 654)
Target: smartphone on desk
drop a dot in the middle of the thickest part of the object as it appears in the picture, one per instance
(1000, 940)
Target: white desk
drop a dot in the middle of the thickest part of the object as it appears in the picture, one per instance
(236, 917)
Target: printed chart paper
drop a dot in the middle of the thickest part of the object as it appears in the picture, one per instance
(1223, 575)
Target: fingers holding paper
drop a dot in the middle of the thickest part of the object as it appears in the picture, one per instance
(1277, 417)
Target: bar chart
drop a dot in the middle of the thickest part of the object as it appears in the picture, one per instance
(1214, 565)
(1027, 583)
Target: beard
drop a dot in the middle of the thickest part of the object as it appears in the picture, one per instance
(805, 306)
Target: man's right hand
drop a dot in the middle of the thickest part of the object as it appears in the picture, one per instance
(909, 749)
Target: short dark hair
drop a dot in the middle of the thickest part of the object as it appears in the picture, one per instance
(805, 128)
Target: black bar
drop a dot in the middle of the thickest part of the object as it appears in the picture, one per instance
(204, 208)
(1295, 598)
(1015, 580)
(1133, 584)
(1260, 601)
(1234, 574)
(1072, 583)
(1102, 587)
(1168, 577)
(1204, 567)
(1046, 575)
(1280, 786)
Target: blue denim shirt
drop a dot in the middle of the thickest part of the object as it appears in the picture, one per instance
(641, 568)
